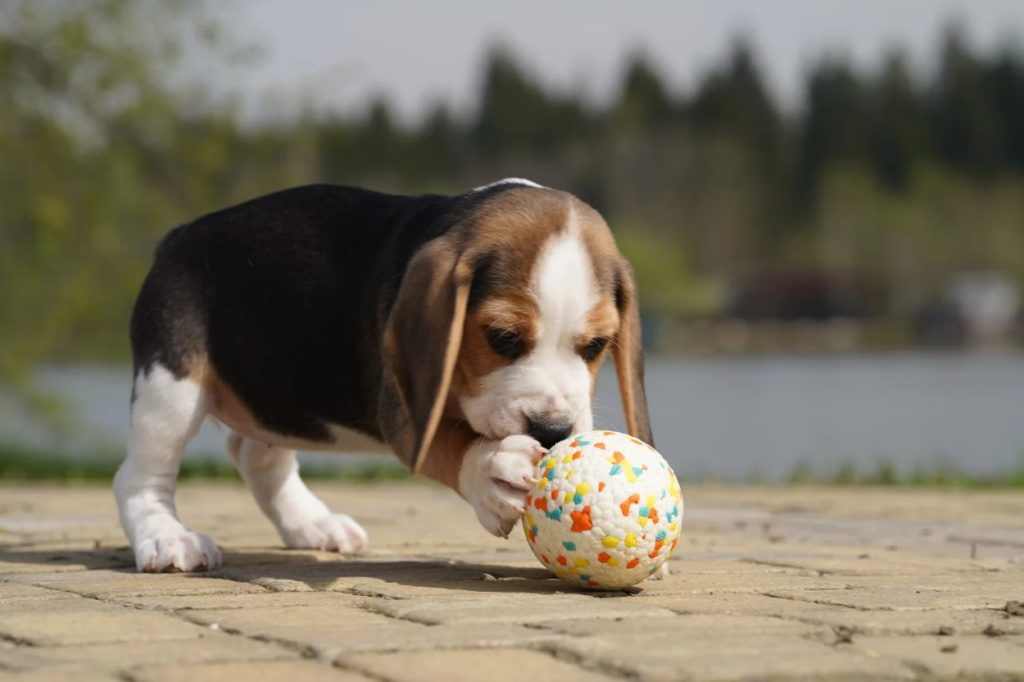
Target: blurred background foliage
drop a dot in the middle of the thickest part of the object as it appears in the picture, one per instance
(886, 179)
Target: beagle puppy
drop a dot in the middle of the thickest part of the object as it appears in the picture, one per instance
(463, 332)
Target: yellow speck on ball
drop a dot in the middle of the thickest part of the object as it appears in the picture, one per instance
(613, 512)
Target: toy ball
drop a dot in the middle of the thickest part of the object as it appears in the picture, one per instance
(606, 510)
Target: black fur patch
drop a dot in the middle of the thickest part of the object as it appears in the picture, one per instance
(287, 296)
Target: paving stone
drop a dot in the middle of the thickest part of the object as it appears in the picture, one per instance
(1008, 582)
(331, 613)
(744, 604)
(250, 672)
(12, 593)
(211, 647)
(106, 583)
(245, 600)
(961, 622)
(974, 657)
(683, 582)
(902, 622)
(471, 666)
(685, 626)
(523, 608)
(689, 564)
(48, 675)
(479, 585)
(331, 629)
(406, 636)
(85, 621)
(883, 597)
(712, 647)
(845, 563)
(324, 629)
(669, 656)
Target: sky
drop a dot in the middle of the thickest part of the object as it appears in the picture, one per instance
(334, 54)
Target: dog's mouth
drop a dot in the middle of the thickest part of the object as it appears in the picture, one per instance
(498, 424)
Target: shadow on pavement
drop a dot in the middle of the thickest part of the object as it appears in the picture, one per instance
(317, 573)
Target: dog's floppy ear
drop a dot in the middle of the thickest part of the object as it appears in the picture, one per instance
(422, 338)
(628, 353)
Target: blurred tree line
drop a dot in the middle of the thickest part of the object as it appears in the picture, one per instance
(888, 176)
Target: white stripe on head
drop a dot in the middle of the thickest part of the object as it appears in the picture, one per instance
(565, 290)
(508, 181)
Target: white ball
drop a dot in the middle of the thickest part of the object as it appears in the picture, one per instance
(605, 512)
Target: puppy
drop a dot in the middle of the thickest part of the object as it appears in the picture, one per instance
(463, 332)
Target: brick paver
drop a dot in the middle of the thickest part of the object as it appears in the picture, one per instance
(780, 583)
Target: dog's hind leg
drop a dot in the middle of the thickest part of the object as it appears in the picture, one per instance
(302, 520)
(166, 413)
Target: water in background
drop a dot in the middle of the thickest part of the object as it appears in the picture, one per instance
(724, 417)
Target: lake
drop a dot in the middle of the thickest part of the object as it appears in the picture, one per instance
(729, 417)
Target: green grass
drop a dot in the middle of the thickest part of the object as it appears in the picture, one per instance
(885, 473)
(25, 464)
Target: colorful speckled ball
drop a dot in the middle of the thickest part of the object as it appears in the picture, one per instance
(606, 510)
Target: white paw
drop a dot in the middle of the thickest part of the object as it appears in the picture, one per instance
(331, 533)
(176, 550)
(662, 572)
(495, 477)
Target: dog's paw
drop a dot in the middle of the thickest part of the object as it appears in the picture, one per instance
(331, 533)
(176, 550)
(495, 477)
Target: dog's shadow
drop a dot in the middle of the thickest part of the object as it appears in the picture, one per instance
(14, 558)
(319, 573)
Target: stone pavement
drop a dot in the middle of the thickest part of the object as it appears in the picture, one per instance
(774, 583)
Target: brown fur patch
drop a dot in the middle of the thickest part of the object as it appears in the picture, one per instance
(511, 230)
(603, 322)
(225, 405)
(477, 359)
(600, 244)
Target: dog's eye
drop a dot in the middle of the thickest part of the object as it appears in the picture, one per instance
(505, 342)
(593, 349)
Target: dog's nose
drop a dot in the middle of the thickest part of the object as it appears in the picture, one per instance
(547, 433)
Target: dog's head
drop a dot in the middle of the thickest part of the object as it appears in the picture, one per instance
(505, 320)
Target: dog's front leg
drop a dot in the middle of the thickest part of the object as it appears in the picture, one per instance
(494, 476)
